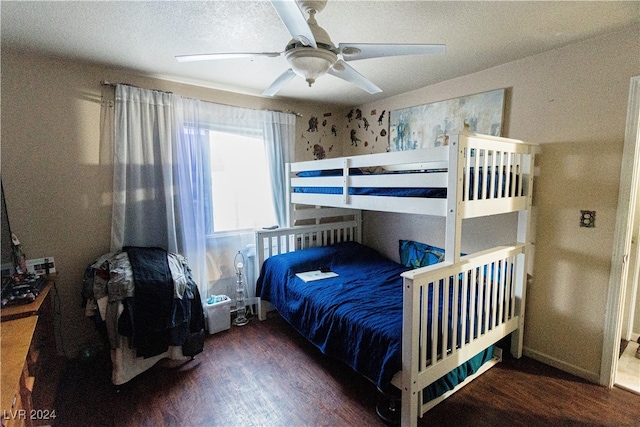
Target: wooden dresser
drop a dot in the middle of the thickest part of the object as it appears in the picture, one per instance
(24, 331)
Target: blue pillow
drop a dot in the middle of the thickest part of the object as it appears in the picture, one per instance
(416, 254)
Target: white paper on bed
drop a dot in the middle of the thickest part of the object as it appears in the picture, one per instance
(310, 276)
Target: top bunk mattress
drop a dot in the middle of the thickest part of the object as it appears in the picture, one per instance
(504, 184)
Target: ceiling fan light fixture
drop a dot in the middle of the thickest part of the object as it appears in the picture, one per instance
(312, 54)
(310, 63)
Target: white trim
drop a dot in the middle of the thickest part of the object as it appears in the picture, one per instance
(631, 286)
(622, 239)
(563, 366)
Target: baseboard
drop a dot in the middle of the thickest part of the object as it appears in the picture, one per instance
(593, 377)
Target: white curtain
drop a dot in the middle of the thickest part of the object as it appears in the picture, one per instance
(279, 127)
(218, 251)
(162, 179)
(193, 175)
(143, 209)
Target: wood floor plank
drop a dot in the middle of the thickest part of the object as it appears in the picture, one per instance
(265, 374)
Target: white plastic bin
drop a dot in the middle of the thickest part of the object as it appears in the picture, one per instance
(218, 314)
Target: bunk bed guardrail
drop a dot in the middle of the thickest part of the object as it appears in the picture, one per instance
(485, 304)
(279, 241)
(491, 175)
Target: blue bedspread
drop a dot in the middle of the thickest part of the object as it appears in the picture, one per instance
(356, 317)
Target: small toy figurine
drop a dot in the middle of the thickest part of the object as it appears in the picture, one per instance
(18, 255)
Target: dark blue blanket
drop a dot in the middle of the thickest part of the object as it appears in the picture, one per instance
(356, 317)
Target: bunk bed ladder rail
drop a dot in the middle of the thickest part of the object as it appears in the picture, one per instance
(482, 295)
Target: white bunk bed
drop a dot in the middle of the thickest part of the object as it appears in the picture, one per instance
(490, 298)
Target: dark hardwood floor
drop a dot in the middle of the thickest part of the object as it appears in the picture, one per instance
(265, 374)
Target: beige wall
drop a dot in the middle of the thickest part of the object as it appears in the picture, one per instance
(573, 102)
(57, 177)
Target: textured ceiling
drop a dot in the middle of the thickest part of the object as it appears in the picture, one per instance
(143, 37)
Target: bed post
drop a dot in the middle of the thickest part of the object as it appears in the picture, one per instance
(346, 181)
(357, 216)
(517, 336)
(410, 354)
(290, 220)
(259, 259)
(453, 228)
(524, 224)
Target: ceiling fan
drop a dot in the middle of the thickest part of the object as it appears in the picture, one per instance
(311, 53)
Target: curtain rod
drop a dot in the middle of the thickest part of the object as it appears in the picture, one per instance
(112, 84)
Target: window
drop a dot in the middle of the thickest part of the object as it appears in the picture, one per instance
(240, 183)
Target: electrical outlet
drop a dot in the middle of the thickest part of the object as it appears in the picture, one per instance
(41, 266)
(588, 219)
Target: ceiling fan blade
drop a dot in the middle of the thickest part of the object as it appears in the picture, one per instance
(293, 18)
(355, 51)
(344, 71)
(279, 82)
(212, 56)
